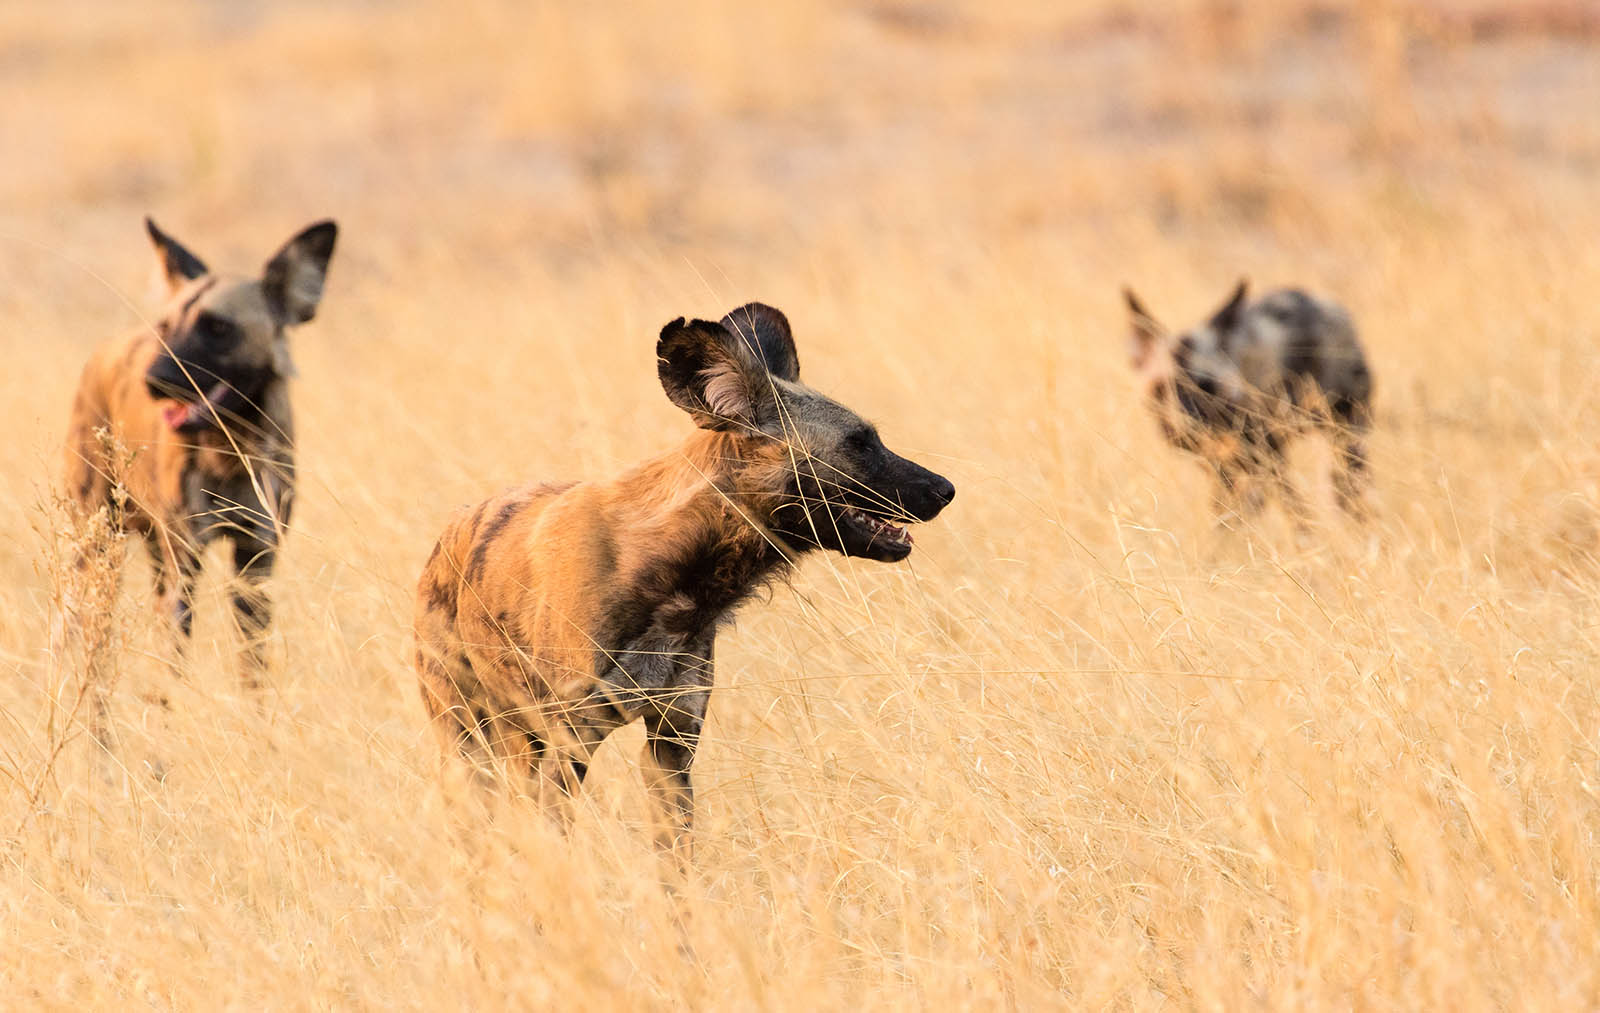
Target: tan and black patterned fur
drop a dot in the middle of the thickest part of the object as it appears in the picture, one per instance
(550, 616)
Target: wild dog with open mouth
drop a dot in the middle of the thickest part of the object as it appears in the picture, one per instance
(1239, 387)
(553, 615)
(201, 400)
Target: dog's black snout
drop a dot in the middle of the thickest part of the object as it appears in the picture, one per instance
(163, 378)
(919, 492)
(935, 494)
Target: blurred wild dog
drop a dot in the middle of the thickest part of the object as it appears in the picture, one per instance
(201, 400)
(552, 615)
(1238, 388)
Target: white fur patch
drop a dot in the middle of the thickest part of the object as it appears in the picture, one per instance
(725, 392)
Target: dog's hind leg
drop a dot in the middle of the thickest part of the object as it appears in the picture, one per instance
(471, 776)
(468, 766)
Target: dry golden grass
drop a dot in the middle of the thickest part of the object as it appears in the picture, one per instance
(1079, 750)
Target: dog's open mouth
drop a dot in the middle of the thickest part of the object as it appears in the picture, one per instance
(877, 529)
(187, 416)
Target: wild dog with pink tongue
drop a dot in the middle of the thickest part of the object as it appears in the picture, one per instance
(199, 404)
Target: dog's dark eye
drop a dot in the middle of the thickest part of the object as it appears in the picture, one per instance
(862, 441)
(219, 334)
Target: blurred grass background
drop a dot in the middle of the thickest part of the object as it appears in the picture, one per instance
(1079, 750)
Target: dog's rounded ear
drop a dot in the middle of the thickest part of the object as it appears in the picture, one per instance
(292, 280)
(177, 266)
(711, 374)
(766, 330)
(1145, 330)
(1135, 307)
(1226, 318)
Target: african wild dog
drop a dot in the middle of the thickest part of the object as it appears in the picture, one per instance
(201, 400)
(553, 615)
(1236, 389)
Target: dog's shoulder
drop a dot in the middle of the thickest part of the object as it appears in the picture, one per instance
(128, 354)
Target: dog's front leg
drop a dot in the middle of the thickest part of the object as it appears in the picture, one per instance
(252, 608)
(1350, 475)
(176, 566)
(1274, 460)
(1236, 496)
(673, 721)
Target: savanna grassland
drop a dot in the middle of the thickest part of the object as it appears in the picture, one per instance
(1081, 749)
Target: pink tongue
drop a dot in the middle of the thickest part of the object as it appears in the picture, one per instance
(175, 414)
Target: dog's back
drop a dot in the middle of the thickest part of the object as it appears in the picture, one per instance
(1288, 337)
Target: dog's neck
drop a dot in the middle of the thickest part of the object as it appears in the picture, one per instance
(1161, 397)
(261, 428)
(704, 509)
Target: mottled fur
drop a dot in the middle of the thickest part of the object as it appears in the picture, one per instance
(552, 615)
(1238, 388)
(201, 401)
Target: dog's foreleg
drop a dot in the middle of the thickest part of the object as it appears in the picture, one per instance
(1353, 420)
(176, 566)
(1350, 475)
(1236, 496)
(673, 722)
(1275, 461)
(252, 608)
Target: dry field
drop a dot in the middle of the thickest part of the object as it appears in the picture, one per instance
(1080, 750)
